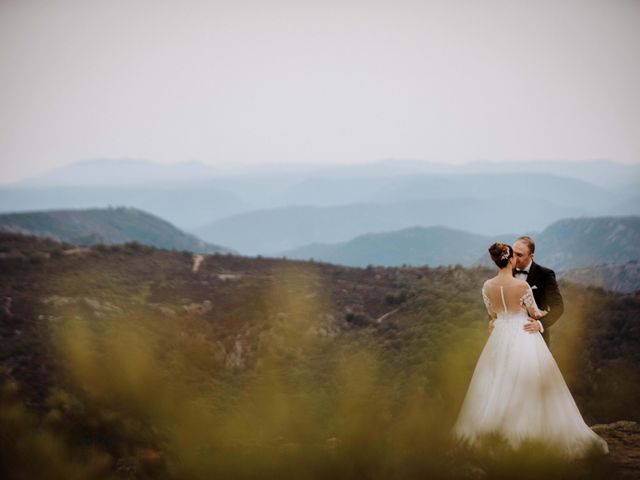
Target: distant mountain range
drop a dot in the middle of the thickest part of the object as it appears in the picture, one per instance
(183, 204)
(564, 245)
(273, 231)
(193, 196)
(530, 187)
(107, 226)
(599, 251)
(417, 246)
(119, 172)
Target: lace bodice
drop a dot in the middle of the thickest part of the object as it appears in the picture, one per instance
(527, 304)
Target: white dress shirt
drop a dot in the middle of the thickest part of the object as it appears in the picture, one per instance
(523, 276)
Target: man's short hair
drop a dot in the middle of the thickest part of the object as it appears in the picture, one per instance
(528, 241)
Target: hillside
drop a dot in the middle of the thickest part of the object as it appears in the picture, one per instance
(107, 226)
(580, 242)
(623, 277)
(566, 244)
(417, 246)
(247, 365)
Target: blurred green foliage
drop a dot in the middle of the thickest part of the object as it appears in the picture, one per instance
(116, 358)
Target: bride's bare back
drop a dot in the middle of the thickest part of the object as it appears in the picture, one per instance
(511, 296)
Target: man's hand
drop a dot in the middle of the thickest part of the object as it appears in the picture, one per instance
(491, 322)
(532, 326)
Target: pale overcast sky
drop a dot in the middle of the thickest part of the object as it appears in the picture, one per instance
(317, 81)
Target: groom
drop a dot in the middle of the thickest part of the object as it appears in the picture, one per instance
(543, 283)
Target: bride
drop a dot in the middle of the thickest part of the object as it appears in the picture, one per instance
(516, 389)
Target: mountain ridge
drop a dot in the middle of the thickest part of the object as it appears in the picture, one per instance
(106, 226)
(285, 228)
(565, 244)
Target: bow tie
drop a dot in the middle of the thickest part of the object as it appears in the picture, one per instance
(517, 271)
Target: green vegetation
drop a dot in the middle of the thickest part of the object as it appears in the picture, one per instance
(120, 361)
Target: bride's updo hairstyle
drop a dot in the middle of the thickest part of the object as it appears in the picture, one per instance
(501, 253)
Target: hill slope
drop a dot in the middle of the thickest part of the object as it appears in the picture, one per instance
(623, 278)
(431, 246)
(253, 365)
(108, 226)
(580, 242)
(565, 244)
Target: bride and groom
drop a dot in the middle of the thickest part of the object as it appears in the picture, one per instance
(517, 390)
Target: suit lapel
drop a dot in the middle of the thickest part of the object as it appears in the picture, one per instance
(532, 280)
(533, 273)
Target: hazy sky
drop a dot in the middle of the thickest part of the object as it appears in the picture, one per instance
(317, 81)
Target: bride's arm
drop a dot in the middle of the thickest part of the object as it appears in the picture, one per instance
(487, 304)
(529, 302)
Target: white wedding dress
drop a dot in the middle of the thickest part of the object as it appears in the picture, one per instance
(517, 389)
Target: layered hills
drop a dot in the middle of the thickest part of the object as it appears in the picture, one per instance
(272, 231)
(268, 210)
(565, 244)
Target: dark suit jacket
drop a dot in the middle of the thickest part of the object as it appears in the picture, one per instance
(546, 294)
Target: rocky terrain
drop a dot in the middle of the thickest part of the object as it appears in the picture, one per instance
(623, 438)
